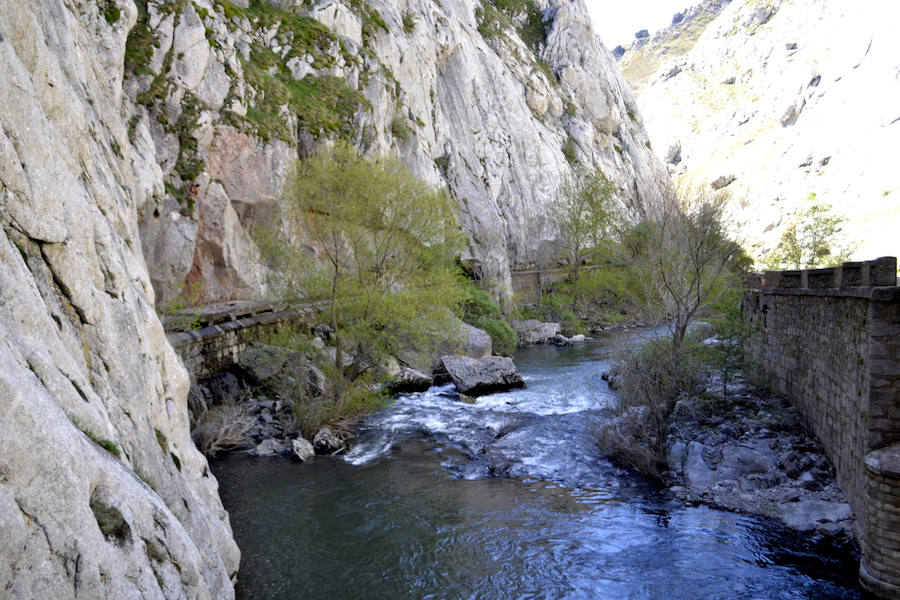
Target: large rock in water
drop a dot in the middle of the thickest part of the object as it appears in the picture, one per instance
(532, 331)
(102, 492)
(476, 377)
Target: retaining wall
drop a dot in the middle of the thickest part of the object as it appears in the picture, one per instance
(829, 339)
(211, 339)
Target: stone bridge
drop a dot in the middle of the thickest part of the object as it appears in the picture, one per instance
(829, 340)
(211, 338)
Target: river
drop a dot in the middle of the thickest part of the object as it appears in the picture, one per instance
(506, 498)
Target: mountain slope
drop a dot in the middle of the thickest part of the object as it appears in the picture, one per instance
(640, 60)
(102, 492)
(138, 141)
(797, 100)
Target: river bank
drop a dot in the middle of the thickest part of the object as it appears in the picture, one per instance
(750, 453)
(505, 498)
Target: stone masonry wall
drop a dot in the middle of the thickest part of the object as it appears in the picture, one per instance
(216, 336)
(829, 339)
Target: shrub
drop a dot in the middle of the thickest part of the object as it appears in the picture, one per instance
(480, 311)
(652, 378)
(222, 427)
(110, 520)
(409, 22)
(569, 150)
(556, 307)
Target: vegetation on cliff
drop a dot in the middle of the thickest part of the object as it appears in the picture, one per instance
(378, 262)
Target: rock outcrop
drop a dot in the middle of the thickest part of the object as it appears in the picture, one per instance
(102, 492)
(797, 101)
(476, 377)
(494, 104)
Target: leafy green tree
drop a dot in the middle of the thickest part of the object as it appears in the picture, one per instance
(585, 214)
(810, 240)
(371, 249)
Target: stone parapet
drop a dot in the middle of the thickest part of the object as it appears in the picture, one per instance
(829, 339)
(208, 349)
(879, 571)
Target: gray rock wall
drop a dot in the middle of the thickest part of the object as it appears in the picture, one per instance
(486, 116)
(102, 492)
(829, 339)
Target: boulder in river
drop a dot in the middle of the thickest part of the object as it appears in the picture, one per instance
(476, 377)
(270, 447)
(325, 442)
(531, 332)
(410, 380)
(302, 449)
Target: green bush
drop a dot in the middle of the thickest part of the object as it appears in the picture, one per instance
(503, 337)
(480, 311)
(556, 307)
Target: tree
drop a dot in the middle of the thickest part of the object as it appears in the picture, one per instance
(809, 240)
(584, 213)
(374, 255)
(687, 261)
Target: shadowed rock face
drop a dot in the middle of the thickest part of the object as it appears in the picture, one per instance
(485, 117)
(102, 493)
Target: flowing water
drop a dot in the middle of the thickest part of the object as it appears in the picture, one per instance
(506, 498)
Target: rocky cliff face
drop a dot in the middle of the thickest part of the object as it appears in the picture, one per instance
(494, 104)
(641, 59)
(137, 144)
(789, 98)
(102, 493)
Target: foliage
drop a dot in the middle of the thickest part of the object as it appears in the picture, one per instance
(608, 293)
(400, 128)
(585, 215)
(111, 12)
(809, 241)
(107, 445)
(687, 267)
(480, 311)
(684, 258)
(378, 264)
(323, 105)
(570, 150)
(409, 22)
(654, 377)
(726, 357)
(556, 307)
(497, 16)
(222, 427)
(110, 520)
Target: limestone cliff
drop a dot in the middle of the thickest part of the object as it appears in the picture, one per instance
(496, 104)
(102, 493)
(137, 143)
(789, 98)
(641, 59)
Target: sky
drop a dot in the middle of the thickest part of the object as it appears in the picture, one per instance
(616, 21)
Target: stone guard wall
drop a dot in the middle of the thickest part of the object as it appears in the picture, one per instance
(829, 339)
(213, 338)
